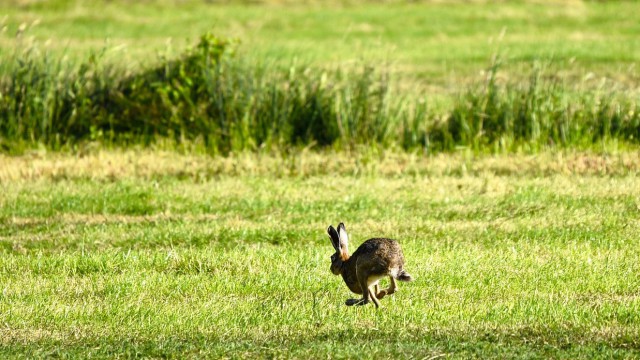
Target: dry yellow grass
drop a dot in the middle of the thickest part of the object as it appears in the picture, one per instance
(145, 164)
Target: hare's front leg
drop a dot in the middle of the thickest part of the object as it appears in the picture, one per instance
(351, 302)
(373, 298)
(393, 286)
(366, 293)
(365, 299)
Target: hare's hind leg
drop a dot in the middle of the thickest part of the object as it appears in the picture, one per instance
(379, 293)
(393, 286)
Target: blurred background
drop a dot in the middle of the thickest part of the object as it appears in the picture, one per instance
(422, 56)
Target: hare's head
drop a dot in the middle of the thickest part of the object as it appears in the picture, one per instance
(340, 242)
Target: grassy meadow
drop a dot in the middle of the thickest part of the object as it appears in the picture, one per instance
(436, 45)
(168, 170)
(154, 254)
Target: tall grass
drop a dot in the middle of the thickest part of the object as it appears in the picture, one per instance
(539, 113)
(213, 99)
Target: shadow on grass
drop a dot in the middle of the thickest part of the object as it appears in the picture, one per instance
(505, 343)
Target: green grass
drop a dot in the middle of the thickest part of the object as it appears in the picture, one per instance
(151, 255)
(159, 255)
(218, 103)
(173, 254)
(519, 76)
(437, 47)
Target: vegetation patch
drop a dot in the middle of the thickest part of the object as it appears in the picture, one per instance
(506, 265)
(208, 99)
(513, 190)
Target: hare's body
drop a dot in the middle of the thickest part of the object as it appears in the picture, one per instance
(378, 258)
(375, 259)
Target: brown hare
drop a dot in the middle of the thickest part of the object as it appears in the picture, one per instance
(373, 260)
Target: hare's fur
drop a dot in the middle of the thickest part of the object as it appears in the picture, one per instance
(375, 259)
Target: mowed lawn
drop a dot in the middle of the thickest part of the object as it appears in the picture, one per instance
(169, 256)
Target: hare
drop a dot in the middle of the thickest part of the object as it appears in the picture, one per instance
(373, 260)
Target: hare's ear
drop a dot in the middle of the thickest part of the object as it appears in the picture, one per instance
(335, 238)
(344, 238)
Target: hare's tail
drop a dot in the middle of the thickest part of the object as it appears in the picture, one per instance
(404, 276)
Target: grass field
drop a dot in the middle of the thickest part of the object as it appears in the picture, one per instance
(438, 48)
(131, 254)
(516, 200)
